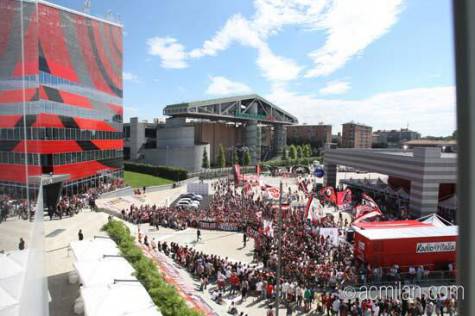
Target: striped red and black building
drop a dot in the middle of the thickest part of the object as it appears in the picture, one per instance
(60, 95)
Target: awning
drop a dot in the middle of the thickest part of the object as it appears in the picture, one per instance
(435, 220)
(94, 249)
(12, 274)
(104, 271)
(119, 299)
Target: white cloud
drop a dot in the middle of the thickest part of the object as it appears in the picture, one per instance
(335, 87)
(128, 76)
(351, 26)
(272, 15)
(276, 68)
(430, 111)
(170, 51)
(238, 29)
(223, 86)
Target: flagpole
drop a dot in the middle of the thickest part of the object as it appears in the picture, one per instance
(279, 253)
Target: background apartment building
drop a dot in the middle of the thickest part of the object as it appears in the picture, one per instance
(394, 138)
(315, 135)
(355, 135)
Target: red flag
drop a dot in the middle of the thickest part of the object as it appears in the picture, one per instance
(328, 194)
(367, 205)
(367, 216)
(343, 198)
(307, 207)
(237, 174)
(274, 192)
(303, 187)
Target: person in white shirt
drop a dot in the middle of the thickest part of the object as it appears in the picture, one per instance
(430, 308)
(336, 306)
(285, 290)
(375, 310)
(259, 289)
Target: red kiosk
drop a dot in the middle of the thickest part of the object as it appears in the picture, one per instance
(405, 243)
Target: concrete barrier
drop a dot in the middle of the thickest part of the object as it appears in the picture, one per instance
(117, 193)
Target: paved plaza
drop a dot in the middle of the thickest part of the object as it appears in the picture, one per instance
(59, 234)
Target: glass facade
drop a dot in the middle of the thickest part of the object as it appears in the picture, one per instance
(60, 128)
(60, 96)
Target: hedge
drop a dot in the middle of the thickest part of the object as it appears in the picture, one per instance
(288, 163)
(164, 295)
(175, 174)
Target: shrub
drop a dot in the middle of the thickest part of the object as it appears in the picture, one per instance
(292, 152)
(235, 157)
(163, 294)
(175, 174)
(205, 160)
(221, 159)
(288, 163)
(247, 158)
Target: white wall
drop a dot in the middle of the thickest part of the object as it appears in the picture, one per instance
(187, 157)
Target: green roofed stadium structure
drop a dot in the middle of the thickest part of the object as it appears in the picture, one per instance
(247, 122)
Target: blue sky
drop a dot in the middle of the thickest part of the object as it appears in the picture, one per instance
(387, 63)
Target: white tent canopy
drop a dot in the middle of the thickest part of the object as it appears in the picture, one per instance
(435, 220)
(12, 274)
(94, 249)
(8, 303)
(104, 271)
(123, 298)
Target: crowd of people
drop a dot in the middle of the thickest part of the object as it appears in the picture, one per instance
(226, 207)
(242, 282)
(12, 207)
(68, 204)
(315, 267)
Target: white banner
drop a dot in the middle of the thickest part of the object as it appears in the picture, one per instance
(198, 188)
(331, 232)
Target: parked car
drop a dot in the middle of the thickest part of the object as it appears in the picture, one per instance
(188, 201)
(192, 196)
(187, 204)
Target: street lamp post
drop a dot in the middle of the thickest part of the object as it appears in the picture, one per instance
(279, 253)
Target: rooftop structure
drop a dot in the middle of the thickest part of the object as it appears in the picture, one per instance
(254, 118)
(425, 169)
(238, 109)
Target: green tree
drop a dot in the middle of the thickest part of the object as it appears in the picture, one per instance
(235, 157)
(307, 150)
(247, 158)
(292, 152)
(284, 154)
(205, 160)
(221, 156)
(299, 152)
